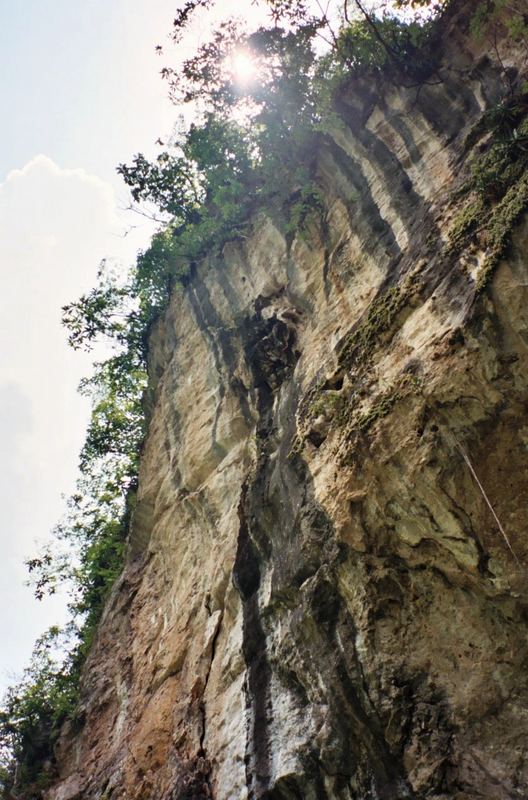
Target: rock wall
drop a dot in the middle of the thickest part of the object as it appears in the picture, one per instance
(325, 589)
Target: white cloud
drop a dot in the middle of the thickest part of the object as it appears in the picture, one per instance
(56, 221)
(55, 226)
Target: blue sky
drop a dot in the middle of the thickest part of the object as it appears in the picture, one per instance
(80, 80)
(79, 92)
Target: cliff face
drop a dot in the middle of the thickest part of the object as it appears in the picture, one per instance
(324, 595)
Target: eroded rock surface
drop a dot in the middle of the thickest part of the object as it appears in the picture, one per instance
(325, 595)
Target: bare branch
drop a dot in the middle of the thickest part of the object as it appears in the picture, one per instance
(391, 52)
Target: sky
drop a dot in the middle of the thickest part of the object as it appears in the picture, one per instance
(80, 92)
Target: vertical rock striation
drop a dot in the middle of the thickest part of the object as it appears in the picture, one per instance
(325, 589)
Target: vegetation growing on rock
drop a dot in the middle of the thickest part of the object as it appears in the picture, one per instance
(496, 192)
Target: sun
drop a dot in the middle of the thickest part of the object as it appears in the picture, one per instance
(242, 67)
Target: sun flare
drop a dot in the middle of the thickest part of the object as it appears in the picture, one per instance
(243, 67)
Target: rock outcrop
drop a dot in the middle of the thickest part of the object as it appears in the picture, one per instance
(324, 595)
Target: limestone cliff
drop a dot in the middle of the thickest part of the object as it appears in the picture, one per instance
(324, 595)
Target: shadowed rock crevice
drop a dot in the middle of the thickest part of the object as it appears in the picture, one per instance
(286, 537)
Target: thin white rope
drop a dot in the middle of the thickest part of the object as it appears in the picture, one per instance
(486, 498)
